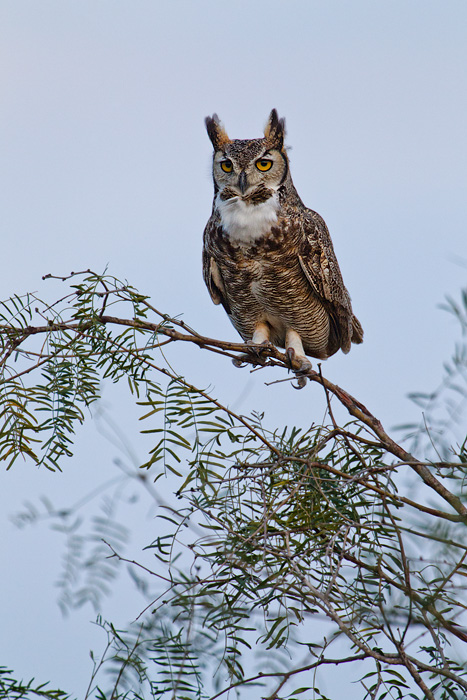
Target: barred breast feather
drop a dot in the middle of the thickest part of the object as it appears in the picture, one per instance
(289, 278)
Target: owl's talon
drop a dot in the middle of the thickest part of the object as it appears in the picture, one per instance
(259, 349)
(256, 353)
(301, 374)
(254, 356)
(239, 362)
(290, 353)
(301, 382)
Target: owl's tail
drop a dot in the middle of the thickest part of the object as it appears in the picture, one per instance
(357, 331)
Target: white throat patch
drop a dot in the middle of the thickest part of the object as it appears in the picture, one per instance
(245, 223)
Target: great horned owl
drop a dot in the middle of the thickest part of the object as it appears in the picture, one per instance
(267, 258)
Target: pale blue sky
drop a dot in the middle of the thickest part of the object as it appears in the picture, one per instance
(104, 160)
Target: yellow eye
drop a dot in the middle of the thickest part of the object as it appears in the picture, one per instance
(264, 164)
(227, 166)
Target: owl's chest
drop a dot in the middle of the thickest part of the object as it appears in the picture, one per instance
(264, 259)
(261, 269)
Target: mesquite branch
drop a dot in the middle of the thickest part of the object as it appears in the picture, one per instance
(270, 356)
(296, 534)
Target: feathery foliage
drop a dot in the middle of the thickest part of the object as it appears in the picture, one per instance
(283, 552)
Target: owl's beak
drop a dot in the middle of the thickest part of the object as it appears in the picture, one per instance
(242, 182)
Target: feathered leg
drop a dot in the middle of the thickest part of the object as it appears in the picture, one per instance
(261, 334)
(260, 337)
(294, 351)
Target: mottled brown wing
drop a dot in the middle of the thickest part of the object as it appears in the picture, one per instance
(211, 272)
(320, 267)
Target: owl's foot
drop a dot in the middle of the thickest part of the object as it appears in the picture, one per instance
(260, 348)
(256, 354)
(305, 367)
(295, 353)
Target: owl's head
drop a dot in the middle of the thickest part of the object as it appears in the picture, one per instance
(250, 169)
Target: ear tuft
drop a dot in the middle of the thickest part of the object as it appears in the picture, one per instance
(216, 132)
(275, 130)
